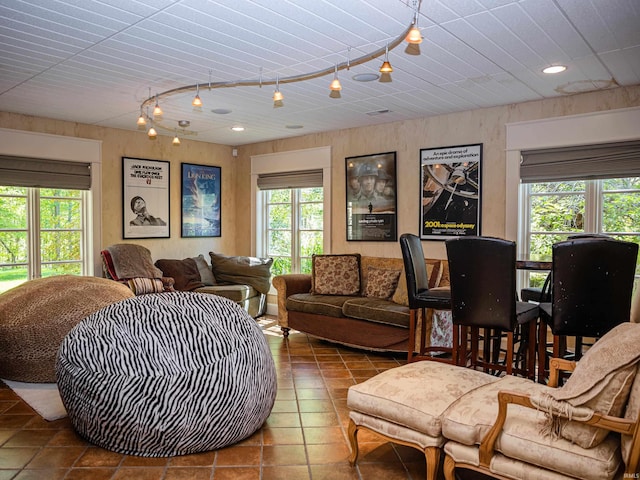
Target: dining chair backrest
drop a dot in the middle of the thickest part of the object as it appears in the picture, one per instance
(414, 266)
(592, 285)
(482, 274)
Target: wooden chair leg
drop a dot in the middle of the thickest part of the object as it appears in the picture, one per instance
(531, 351)
(432, 456)
(509, 355)
(542, 351)
(352, 433)
(449, 468)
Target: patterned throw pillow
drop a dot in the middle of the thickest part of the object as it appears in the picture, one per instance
(381, 282)
(141, 286)
(335, 274)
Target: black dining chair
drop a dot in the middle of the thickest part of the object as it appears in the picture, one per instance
(422, 301)
(482, 274)
(591, 287)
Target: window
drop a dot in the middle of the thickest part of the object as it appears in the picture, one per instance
(555, 210)
(293, 227)
(42, 233)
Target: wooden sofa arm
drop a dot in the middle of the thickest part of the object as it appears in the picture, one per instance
(557, 365)
(287, 285)
(487, 446)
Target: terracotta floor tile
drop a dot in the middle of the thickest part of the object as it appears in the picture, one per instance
(240, 456)
(328, 453)
(237, 473)
(67, 438)
(319, 419)
(188, 473)
(318, 435)
(99, 457)
(315, 406)
(281, 406)
(283, 420)
(16, 457)
(8, 474)
(6, 435)
(42, 474)
(135, 461)
(284, 455)
(312, 393)
(204, 459)
(139, 473)
(30, 438)
(282, 436)
(90, 474)
(334, 472)
(14, 421)
(56, 457)
(286, 473)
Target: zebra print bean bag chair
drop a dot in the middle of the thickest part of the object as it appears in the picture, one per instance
(167, 374)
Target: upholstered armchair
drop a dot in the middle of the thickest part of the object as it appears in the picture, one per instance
(587, 429)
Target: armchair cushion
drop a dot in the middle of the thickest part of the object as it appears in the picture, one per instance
(252, 271)
(206, 275)
(335, 274)
(184, 272)
(434, 271)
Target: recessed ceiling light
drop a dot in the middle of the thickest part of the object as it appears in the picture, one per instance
(221, 111)
(365, 77)
(554, 69)
(237, 128)
(294, 127)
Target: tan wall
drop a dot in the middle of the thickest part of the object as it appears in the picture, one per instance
(485, 126)
(118, 143)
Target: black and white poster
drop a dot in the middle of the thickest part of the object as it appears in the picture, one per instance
(145, 198)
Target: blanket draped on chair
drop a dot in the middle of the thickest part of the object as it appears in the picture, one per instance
(132, 261)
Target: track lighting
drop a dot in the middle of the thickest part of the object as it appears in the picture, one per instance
(157, 111)
(176, 140)
(335, 86)
(411, 35)
(197, 102)
(277, 95)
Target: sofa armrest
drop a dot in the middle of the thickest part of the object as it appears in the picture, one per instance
(287, 285)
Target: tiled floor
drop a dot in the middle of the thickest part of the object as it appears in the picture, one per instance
(303, 438)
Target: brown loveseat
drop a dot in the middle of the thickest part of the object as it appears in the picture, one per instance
(245, 280)
(358, 301)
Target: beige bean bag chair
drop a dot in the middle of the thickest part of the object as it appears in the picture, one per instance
(36, 316)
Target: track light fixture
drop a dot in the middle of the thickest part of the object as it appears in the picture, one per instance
(411, 35)
(335, 86)
(197, 102)
(176, 140)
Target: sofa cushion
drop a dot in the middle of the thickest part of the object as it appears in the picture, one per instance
(415, 395)
(335, 274)
(141, 286)
(206, 275)
(184, 272)
(434, 271)
(242, 270)
(376, 310)
(330, 305)
(381, 282)
(469, 418)
(237, 293)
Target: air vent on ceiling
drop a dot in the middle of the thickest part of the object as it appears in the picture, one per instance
(378, 112)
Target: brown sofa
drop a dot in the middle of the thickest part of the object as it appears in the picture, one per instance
(244, 280)
(371, 312)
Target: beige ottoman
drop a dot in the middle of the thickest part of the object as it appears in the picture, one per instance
(36, 316)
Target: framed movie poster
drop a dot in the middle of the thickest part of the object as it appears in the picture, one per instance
(371, 197)
(451, 193)
(145, 198)
(200, 200)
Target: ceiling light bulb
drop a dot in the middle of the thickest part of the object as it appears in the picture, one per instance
(335, 85)
(197, 102)
(152, 133)
(386, 67)
(414, 36)
(554, 69)
(237, 128)
(278, 99)
(176, 141)
(141, 121)
(157, 111)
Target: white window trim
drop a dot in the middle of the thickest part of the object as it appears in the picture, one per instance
(290, 161)
(22, 143)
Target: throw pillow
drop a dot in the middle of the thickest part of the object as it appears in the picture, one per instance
(434, 271)
(184, 272)
(381, 283)
(252, 271)
(141, 286)
(206, 275)
(335, 274)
